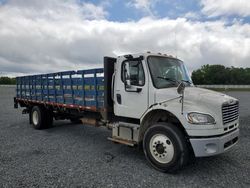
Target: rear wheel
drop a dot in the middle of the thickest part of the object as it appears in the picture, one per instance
(75, 120)
(49, 118)
(41, 118)
(165, 147)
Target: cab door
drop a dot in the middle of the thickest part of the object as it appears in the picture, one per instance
(131, 88)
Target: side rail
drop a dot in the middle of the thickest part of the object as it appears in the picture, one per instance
(83, 89)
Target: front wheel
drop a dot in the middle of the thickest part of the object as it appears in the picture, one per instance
(165, 147)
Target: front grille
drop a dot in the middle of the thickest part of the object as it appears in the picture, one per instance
(230, 112)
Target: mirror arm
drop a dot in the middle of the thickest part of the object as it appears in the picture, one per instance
(180, 90)
(182, 102)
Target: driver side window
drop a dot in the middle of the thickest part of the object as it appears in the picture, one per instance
(137, 77)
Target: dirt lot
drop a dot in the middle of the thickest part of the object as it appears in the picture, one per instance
(81, 156)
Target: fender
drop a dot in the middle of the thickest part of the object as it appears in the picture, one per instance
(170, 109)
(172, 106)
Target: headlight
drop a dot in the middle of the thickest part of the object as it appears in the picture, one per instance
(199, 118)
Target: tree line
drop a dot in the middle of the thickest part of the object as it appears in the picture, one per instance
(219, 74)
(7, 81)
(206, 75)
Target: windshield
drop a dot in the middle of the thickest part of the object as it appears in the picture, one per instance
(167, 72)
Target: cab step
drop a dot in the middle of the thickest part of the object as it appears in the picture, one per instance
(122, 141)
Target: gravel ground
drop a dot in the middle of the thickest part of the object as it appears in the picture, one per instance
(81, 156)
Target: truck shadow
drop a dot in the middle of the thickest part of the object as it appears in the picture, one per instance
(96, 139)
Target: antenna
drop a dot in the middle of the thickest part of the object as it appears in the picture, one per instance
(175, 44)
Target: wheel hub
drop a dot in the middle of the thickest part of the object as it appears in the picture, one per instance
(161, 148)
(35, 118)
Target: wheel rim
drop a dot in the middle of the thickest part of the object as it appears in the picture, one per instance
(161, 148)
(35, 117)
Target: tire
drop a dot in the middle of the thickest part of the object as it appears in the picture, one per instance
(165, 147)
(75, 120)
(49, 118)
(40, 118)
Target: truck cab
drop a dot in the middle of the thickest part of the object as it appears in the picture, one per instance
(171, 125)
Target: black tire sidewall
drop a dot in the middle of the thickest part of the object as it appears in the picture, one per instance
(49, 118)
(39, 112)
(174, 135)
(75, 120)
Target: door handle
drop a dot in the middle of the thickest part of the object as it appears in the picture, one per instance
(119, 98)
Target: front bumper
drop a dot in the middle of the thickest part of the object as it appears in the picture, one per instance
(203, 147)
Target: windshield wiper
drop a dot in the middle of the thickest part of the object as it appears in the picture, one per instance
(169, 79)
(173, 80)
(187, 81)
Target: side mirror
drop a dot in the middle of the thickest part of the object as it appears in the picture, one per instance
(127, 83)
(181, 88)
(127, 76)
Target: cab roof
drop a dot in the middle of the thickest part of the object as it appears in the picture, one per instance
(146, 54)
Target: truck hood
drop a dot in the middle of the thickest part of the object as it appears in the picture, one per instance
(196, 98)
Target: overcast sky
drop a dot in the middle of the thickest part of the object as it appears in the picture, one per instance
(40, 36)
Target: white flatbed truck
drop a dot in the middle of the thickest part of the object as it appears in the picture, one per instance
(146, 99)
